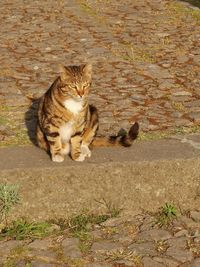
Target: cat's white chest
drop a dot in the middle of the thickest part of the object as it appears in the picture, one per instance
(66, 131)
(74, 106)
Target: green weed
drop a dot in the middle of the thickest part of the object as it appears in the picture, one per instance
(21, 229)
(85, 240)
(112, 210)
(9, 197)
(80, 225)
(167, 214)
(61, 222)
(146, 136)
(169, 210)
(186, 130)
(83, 221)
(179, 130)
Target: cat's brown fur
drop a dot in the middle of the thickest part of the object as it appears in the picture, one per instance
(67, 123)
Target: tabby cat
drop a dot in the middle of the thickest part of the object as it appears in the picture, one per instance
(67, 124)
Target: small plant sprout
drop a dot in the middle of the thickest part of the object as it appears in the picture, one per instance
(123, 254)
(80, 225)
(112, 209)
(169, 210)
(167, 214)
(161, 246)
(9, 197)
(84, 220)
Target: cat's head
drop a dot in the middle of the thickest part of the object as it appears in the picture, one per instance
(76, 80)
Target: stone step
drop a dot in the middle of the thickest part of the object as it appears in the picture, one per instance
(144, 176)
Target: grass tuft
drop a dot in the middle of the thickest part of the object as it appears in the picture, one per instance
(166, 215)
(112, 209)
(123, 254)
(21, 229)
(80, 225)
(83, 221)
(9, 197)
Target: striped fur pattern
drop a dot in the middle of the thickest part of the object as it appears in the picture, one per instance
(67, 124)
(121, 139)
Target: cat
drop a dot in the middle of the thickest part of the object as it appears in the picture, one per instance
(67, 124)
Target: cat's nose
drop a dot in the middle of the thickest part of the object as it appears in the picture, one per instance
(81, 94)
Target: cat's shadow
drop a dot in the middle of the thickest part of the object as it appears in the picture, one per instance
(31, 120)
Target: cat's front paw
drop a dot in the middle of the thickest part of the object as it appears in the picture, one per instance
(58, 158)
(86, 151)
(81, 157)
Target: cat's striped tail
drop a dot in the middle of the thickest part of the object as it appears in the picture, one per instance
(122, 138)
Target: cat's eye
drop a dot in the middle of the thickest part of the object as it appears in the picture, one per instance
(73, 86)
(64, 91)
(86, 85)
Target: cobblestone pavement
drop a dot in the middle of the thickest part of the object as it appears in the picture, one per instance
(145, 54)
(136, 241)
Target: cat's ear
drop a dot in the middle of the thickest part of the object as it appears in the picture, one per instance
(87, 70)
(64, 73)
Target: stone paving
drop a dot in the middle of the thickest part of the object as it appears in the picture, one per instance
(145, 54)
(137, 241)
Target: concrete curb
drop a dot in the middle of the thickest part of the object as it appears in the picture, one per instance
(142, 177)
